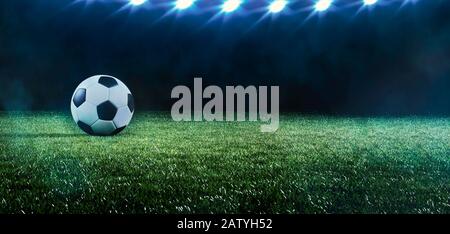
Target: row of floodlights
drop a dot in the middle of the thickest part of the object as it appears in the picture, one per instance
(275, 6)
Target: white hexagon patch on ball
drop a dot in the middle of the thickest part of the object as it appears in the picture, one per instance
(102, 105)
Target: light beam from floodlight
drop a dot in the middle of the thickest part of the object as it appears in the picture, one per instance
(184, 4)
(137, 2)
(231, 5)
(323, 5)
(277, 6)
(370, 2)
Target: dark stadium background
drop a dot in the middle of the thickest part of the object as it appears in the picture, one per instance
(392, 61)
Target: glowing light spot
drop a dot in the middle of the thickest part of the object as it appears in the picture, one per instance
(137, 2)
(184, 4)
(370, 2)
(323, 5)
(231, 5)
(277, 6)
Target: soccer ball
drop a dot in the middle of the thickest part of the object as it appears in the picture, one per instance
(102, 106)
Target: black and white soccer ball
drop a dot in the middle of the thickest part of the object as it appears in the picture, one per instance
(102, 105)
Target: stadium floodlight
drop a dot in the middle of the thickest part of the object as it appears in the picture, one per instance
(323, 5)
(231, 5)
(137, 2)
(277, 6)
(184, 4)
(370, 2)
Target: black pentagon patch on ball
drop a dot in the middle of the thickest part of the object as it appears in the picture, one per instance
(131, 103)
(107, 81)
(106, 111)
(80, 97)
(86, 128)
(117, 131)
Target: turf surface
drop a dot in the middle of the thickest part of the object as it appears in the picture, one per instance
(311, 165)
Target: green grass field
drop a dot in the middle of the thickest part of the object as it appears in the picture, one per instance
(311, 165)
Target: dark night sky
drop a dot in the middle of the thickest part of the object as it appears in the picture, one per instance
(390, 61)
